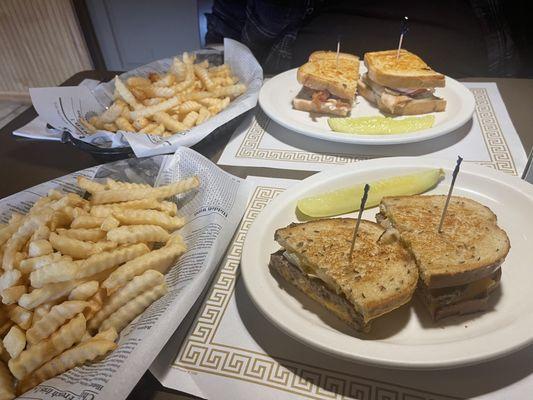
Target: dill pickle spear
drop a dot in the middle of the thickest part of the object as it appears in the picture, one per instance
(381, 125)
(348, 199)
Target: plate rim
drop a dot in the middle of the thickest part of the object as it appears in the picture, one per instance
(338, 137)
(248, 262)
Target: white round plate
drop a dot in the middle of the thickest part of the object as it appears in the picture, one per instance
(277, 93)
(406, 337)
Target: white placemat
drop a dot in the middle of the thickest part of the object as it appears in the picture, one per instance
(230, 351)
(37, 129)
(490, 139)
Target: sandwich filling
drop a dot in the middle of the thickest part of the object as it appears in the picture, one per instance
(323, 101)
(316, 289)
(389, 95)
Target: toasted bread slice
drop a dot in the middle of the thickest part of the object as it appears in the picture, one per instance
(378, 278)
(470, 247)
(321, 72)
(397, 104)
(408, 71)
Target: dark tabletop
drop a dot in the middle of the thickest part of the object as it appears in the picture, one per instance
(25, 163)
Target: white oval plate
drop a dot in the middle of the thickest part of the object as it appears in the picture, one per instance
(406, 337)
(277, 93)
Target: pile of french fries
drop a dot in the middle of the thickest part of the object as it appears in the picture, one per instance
(165, 104)
(75, 272)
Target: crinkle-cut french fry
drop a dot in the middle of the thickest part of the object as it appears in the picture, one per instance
(80, 212)
(7, 383)
(111, 127)
(138, 93)
(190, 119)
(106, 260)
(137, 234)
(158, 130)
(5, 326)
(40, 311)
(130, 185)
(187, 82)
(109, 223)
(84, 291)
(21, 236)
(56, 317)
(219, 68)
(132, 289)
(168, 207)
(166, 80)
(42, 232)
(96, 122)
(160, 260)
(126, 95)
(188, 106)
(178, 69)
(78, 249)
(31, 264)
(219, 107)
(108, 334)
(158, 91)
(153, 101)
(4, 356)
(203, 115)
(90, 128)
(60, 219)
(92, 234)
(124, 125)
(203, 75)
(76, 356)
(10, 228)
(128, 312)
(138, 81)
(141, 122)
(95, 304)
(9, 278)
(162, 192)
(149, 217)
(111, 114)
(168, 122)
(150, 203)
(14, 341)
(86, 221)
(31, 359)
(149, 128)
(149, 111)
(20, 316)
(60, 271)
(209, 101)
(47, 293)
(40, 247)
(12, 294)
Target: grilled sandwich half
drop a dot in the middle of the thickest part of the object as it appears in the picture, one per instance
(403, 85)
(458, 268)
(315, 258)
(329, 84)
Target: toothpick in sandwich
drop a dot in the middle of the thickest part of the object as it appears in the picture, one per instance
(361, 209)
(454, 176)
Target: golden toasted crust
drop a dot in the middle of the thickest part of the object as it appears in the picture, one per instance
(470, 247)
(378, 278)
(400, 105)
(321, 72)
(409, 71)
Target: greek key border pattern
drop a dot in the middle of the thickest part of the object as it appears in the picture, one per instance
(499, 152)
(200, 353)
